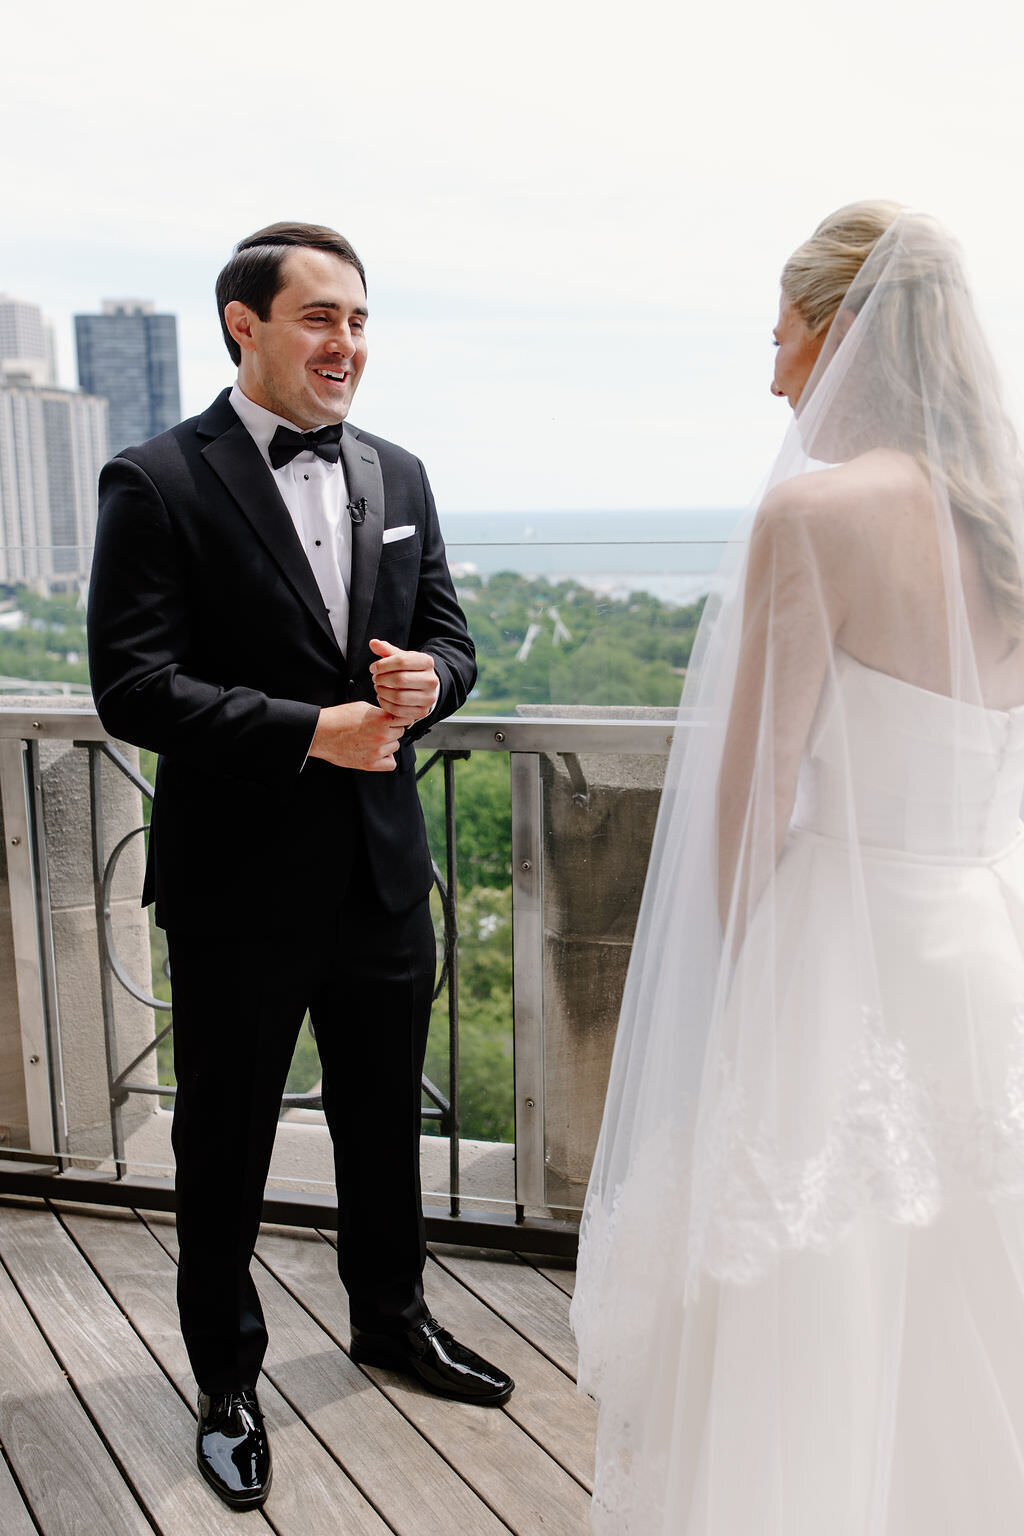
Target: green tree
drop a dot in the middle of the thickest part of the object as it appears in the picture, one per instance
(542, 642)
(486, 1090)
(483, 818)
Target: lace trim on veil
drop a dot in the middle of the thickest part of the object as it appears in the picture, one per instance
(894, 1149)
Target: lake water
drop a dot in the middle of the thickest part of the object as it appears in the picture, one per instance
(675, 555)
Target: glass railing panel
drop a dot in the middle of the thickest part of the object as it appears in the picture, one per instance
(565, 608)
(42, 636)
(584, 608)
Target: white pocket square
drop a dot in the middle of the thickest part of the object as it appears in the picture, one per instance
(405, 532)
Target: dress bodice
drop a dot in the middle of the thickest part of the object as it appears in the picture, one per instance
(896, 766)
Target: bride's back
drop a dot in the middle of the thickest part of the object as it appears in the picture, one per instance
(910, 602)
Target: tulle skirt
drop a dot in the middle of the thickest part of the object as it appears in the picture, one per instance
(812, 1317)
(877, 1390)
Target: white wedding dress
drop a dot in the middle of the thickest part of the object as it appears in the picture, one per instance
(848, 1232)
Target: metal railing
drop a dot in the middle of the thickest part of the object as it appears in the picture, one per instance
(442, 1108)
(527, 741)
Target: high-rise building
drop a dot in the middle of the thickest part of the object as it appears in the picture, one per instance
(53, 443)
(130, 354)
(27, 347)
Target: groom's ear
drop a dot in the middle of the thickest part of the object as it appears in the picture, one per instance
(238, 318)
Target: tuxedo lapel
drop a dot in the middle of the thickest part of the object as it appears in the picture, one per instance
(364, 478)
(238, 463)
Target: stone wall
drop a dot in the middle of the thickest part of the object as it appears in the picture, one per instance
(83, 1065)
(595, 861)
(13, 1106)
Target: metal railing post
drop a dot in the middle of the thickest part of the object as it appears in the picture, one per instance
(106, 976)
(451, 938)
(528, 978)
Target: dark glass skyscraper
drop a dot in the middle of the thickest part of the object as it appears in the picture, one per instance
(130, 355)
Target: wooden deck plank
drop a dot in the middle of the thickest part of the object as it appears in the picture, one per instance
(15, 1519)
(417, 1458)
(545, 1403)
(517, 1292)
(142, 1278)
(311, 1494)
(516, 1477)
(136, 1408)
(415, 1490)
(562, 1274)
(60, 1460)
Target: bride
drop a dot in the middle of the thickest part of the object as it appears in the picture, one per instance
(800, 1299)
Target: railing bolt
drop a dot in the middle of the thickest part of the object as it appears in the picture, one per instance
(499, 737)
(36, 726)
(525, 866)
(530, 1104)
(15, 841)
(33, 1061)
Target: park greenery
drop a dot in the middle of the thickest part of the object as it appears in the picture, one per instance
(541, 642)
(538, 642)
(42, 639)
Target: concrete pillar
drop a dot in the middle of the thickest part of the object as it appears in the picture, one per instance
(13, 1107)
(595, 861)
(64, 772)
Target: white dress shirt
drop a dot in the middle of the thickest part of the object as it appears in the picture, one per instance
(316, 495)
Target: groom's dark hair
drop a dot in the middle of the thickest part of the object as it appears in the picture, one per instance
(253, 274)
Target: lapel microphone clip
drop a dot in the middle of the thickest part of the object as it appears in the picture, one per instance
(357, 510)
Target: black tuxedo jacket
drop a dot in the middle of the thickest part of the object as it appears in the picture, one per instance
(209, 643)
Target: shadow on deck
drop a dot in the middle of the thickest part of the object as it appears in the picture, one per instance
(97, 1399)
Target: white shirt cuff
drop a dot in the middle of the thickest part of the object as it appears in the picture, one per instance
(437, 695)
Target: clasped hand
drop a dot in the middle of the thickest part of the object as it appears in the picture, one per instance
(366, 736)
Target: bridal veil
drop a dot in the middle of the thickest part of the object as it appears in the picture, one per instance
(802, 1255)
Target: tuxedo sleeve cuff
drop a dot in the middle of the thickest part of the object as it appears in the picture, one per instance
(309, 748)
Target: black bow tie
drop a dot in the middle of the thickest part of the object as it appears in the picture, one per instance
(325, 442)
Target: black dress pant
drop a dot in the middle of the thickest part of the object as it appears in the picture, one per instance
(366, 977)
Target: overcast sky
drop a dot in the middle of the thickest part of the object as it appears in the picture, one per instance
(572, 215)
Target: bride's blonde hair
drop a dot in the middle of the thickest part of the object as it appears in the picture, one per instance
(819, 272)
(928, 340)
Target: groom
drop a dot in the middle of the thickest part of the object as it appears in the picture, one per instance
(271, 611)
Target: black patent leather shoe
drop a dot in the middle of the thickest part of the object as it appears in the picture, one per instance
(232, 1448)
(441, 1363)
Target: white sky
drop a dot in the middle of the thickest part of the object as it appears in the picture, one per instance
(572, 215)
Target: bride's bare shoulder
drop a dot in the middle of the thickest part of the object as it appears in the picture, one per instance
(845, 497)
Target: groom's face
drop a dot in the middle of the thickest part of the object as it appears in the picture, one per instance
(305, 360)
